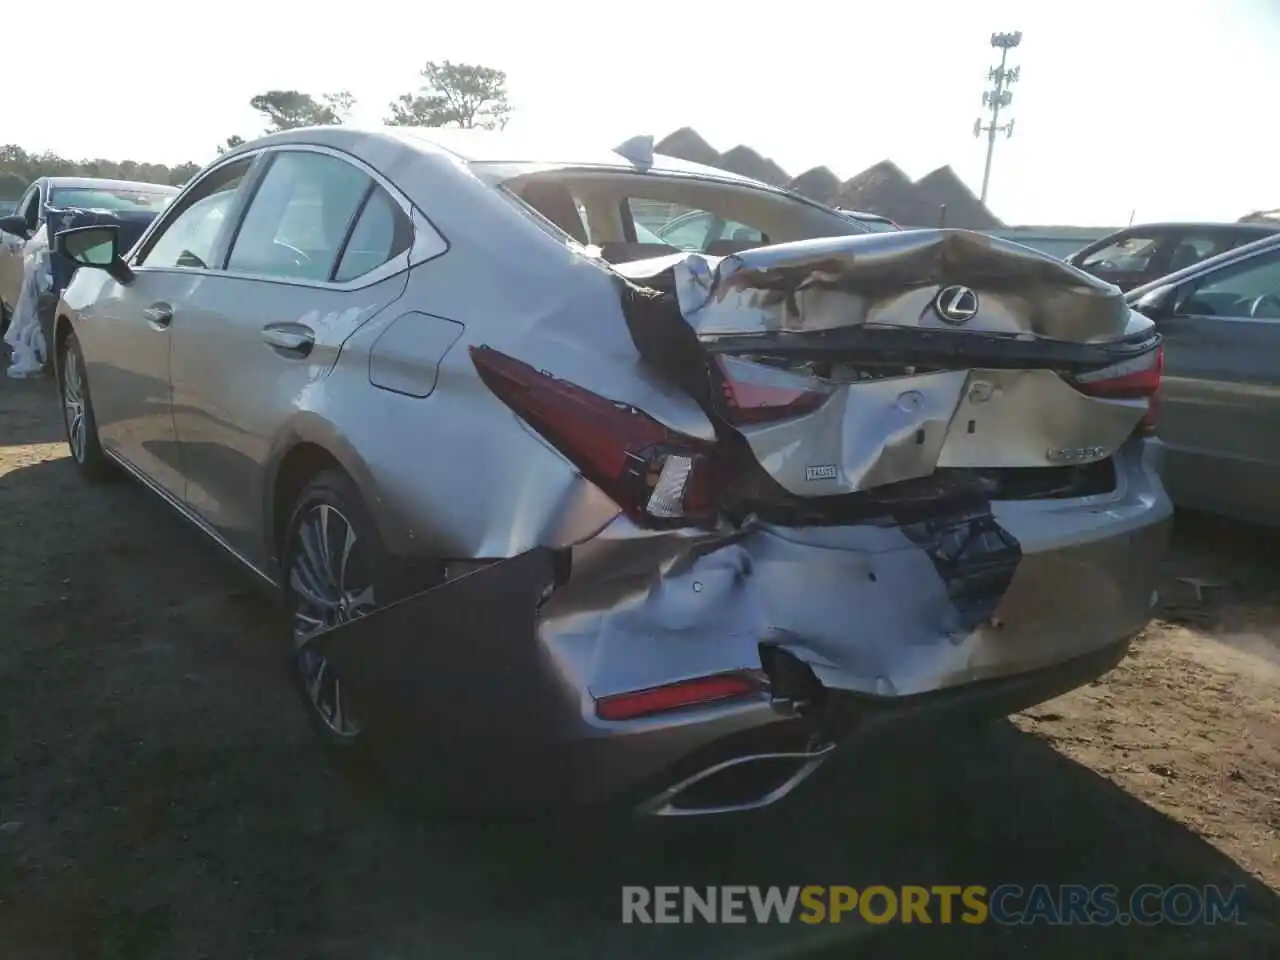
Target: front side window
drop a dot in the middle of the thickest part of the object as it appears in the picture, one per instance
(687, 228)
(1129, 253)
(1251, 289)
(30, 209)
(298, 220)
(189, 239)
(1192, 248)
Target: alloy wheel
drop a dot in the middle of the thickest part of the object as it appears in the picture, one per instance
(73, 405)
(331, 584)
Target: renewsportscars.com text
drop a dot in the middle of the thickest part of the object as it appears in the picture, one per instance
(1008, 904)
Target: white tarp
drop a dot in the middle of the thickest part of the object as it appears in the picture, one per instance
(25, 335)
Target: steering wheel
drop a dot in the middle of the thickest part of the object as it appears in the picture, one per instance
(302, 257)
(1267, 300)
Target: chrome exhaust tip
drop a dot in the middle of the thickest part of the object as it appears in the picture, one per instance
(738, 785)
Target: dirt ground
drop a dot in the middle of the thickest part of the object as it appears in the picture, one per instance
(162, 796)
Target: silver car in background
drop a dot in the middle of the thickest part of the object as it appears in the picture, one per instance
(559, 520)
(1220, 395)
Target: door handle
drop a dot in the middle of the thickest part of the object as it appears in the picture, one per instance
(159, 314)
(292, 339)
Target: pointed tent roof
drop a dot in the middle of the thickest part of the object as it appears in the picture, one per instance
(886, 190)
(742, 159)
(964, 209)
(777, 176)
(817, 183)
(885, 177)
(687, 144)
(882, 188)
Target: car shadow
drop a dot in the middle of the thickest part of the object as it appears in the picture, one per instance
(169, 800)
(29, 410)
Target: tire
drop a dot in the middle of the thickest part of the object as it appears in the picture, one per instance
(78, 421)
(330, 504)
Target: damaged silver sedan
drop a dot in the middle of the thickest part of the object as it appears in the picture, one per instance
(569, 504)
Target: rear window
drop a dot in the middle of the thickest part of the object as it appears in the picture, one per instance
(92, 198)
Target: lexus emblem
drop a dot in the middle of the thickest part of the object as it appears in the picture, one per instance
(956, 305)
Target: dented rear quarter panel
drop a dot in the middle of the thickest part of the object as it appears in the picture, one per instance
(508, 660)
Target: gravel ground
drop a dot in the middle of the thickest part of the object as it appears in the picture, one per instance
(161, 794)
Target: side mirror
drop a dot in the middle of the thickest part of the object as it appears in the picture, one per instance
(15, 224)
(1157, 304)
(95, 246)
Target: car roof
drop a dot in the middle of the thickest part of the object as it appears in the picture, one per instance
(103, 183)
(1261, 229)
(1271, 240)
(502, 148)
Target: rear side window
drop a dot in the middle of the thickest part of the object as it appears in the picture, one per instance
(299, 217)
(381, 232)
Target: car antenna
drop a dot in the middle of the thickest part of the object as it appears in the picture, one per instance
(639, 150)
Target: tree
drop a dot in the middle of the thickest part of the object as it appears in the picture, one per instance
(339, 105)
(12, 185)
(182, 173)
(454, 94)
(18, 168)
(233, 141)
(287, 109)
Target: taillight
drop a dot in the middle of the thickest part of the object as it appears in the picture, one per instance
(1133, 379)
(755, 393)
(659, 477)
(676, 696)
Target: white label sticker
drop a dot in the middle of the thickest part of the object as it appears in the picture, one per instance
(825, 472)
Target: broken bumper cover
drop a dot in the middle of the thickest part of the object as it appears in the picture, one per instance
(484, 690)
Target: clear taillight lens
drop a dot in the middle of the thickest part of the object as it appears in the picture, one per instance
(1132, 379)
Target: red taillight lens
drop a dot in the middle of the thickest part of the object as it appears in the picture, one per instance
(754, 393)
(676, 696)
(657, 476)
(1132, 379)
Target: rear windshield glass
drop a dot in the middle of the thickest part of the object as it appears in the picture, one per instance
(92, 198)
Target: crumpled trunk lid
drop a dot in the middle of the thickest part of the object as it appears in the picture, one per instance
(931, 350)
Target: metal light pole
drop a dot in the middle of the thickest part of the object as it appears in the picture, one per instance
(997, 97)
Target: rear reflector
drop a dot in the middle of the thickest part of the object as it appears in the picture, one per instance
(755, 393)
(1133, 379)
(658, 476)
(676, 696)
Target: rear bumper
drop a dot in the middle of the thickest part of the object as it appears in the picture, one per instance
(485, 688)
(763, 765)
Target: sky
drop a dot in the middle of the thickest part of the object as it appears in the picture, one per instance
(1155, 110)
